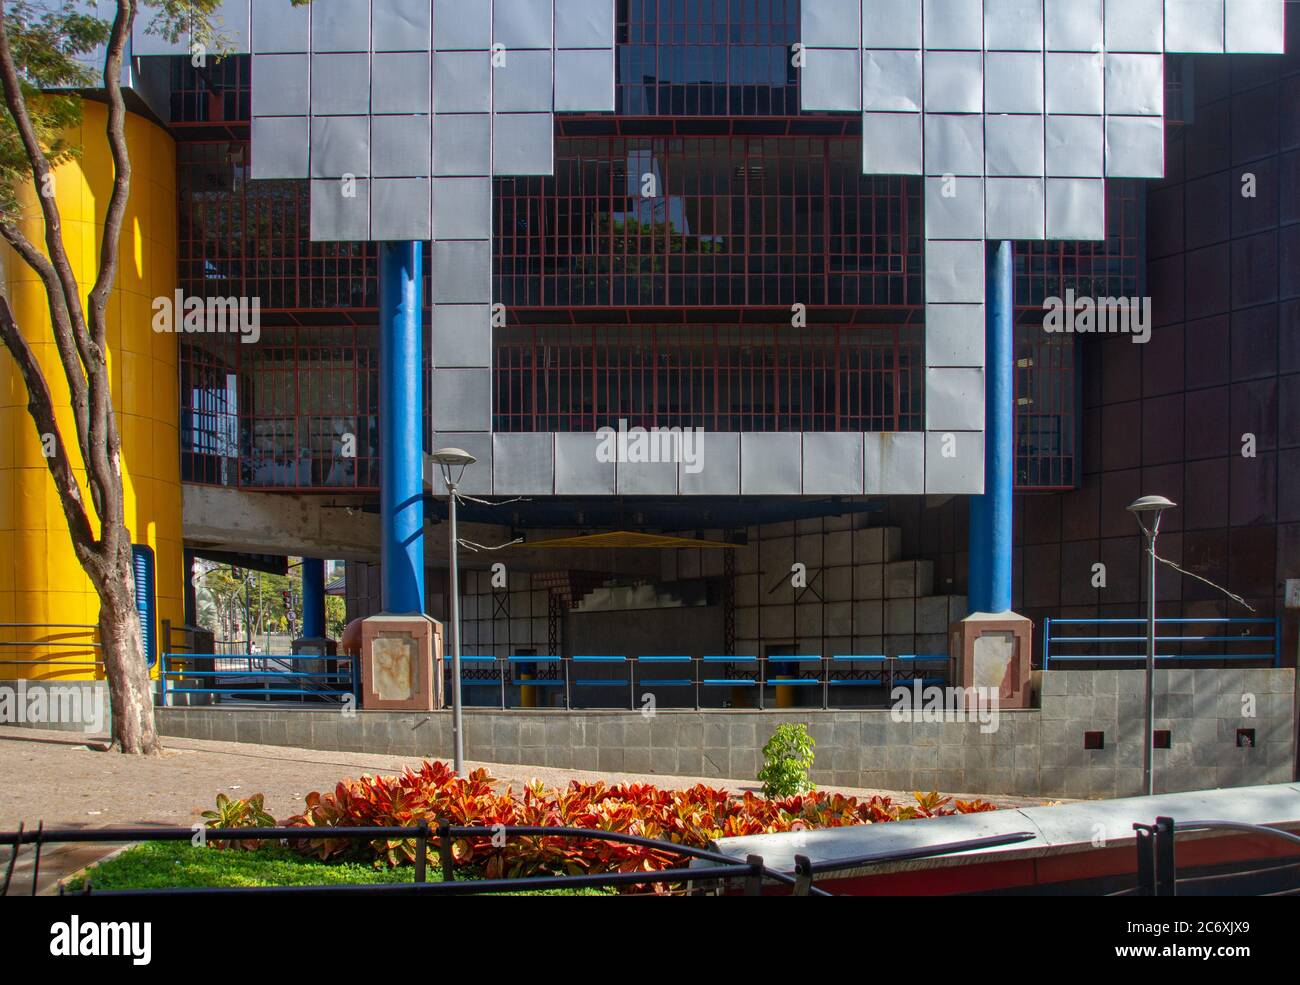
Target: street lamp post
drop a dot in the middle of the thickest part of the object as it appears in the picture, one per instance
(1151, 506)
(448, 459)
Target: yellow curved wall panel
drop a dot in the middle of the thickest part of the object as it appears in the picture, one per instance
(40, 578)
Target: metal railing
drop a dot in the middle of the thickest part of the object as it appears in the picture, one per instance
(257, 677)
(703, 680)
(70, 639)
(1181, 645)
(1157, 863)
(720, 870)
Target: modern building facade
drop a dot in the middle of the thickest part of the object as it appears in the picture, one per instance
(730, 217)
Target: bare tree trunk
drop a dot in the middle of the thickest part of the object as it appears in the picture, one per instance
(122, 642)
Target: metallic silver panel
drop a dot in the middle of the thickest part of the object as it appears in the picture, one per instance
(144, 41)
(954, 399)
(477, 480)
(524, 143)
(831, 80)
(461, 335)
(1075, 83)
(720, 475)
(523, 83)
(1015, 209)
(891, 143)
(1135, 85)
(399, 146)
(338, 85)
(462, 208)
(278, 27)
(1013, 82)
(399, 209)
(399, 82)
(954, 82)
(462, 145)
(891, 81)
(954, 145)
(829, 23)
(584, 24)
(1135, 147)
(340, 145)
(522, 23)
(524, 464)
(462, 272)
(462, 81)
(1135, 25)
(954, 335)
(336, 217)
(1076, 208)
(231, 20)
(1013, 145)
(401, 25)
(832, 464)
(1075, 146)
(1074, 25)
(954, 272)
(770, 464)
(1256, 26)
(281, 143)
(954, 24)
(1013, 25)
(1194, 25)
(279, 85)
(577, 469)
(894, 463)
(646, 478)
(954, 463)
(462, 400)
(340, 25)
(458, 25)
(891, 23)
(584, 81)
(954, 208)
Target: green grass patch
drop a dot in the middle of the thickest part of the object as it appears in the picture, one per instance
(178, 864)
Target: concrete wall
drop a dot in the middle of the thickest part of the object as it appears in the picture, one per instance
(1033, 753)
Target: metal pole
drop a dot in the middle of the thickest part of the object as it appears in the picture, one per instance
(457, 739)
(1148, 772)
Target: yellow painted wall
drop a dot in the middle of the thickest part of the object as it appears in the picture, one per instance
(40, 579)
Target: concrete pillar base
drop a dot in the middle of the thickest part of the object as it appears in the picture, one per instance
(993, 650)
(401, 663)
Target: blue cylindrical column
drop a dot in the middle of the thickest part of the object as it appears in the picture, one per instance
(989, 571)
(401, 421)
(313, 598)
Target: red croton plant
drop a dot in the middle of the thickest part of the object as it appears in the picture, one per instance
(695, 817)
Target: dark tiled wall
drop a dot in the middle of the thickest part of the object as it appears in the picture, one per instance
(1169, 417)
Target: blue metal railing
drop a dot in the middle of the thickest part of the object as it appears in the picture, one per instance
(1260, 646)
(256, 676)
(701, 677)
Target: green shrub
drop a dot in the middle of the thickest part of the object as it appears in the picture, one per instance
(787, 758)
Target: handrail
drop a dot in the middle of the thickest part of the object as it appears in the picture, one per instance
(1223, 642)
(725, 866)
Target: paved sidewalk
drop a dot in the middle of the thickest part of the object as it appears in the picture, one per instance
(57, 778)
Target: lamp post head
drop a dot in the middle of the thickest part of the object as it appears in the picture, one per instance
(1151, 506)
(450, 458)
